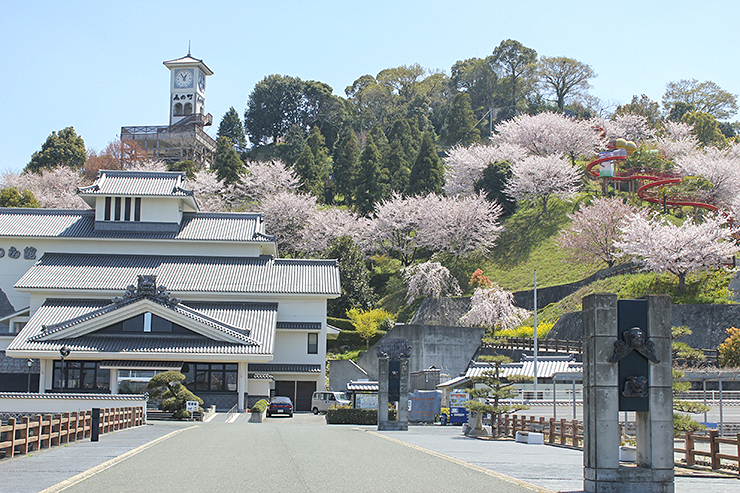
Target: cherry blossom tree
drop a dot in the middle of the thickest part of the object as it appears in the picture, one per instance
(464, 165)
(541, 177)
(263, 179)
(459, 225)
(287, 216)
(628, 126)
(329, 223)
(54, 188)
(594, 230)
(678, 140)
(493, 308)
(209, 191)
(430, 279)
(680, 250)
(720, 167)
(550, 133)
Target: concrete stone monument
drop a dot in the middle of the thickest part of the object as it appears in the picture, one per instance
(627, 367)
(393, 383)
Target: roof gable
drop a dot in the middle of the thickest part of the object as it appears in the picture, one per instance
(163, 184)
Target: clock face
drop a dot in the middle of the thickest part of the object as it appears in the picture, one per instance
(202, 81)
(184, 78)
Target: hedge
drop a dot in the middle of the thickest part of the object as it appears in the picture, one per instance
(346, 416)
(260, 406)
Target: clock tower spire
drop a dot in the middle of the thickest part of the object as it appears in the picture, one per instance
(187, 87)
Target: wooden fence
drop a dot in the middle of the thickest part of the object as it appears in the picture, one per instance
(557, 432)
(570, 434)
(20, 437)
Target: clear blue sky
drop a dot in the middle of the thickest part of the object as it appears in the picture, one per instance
(97, 65)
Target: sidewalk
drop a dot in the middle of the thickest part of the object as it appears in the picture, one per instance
(45, 468)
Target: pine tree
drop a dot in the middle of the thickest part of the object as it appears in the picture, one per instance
(226, 164)
(63, 148)
(427, 173)
(460, 126)
(231, 127)
(367, 188)
(346, 163)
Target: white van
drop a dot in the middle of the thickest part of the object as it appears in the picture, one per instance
(321, 401)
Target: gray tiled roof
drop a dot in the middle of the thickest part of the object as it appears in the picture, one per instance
(140, 183)
(299, 325)
(259, 318)
(59, 271)
(195, 226)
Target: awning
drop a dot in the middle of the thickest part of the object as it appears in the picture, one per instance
(141, 365)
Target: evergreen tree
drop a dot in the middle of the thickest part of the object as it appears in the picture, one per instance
(406, 132)
(186, 165)
(398, 168)
(317, 143)
(226, 164)
(309, 172)
(353, 276)
(492, 183)
(367, 187)
(292, 147)
(427, 173)
(63, 148)
(461, 127)
(346, 163)
(11, 197)
(231, 127)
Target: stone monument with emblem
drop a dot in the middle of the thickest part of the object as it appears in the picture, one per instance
(627, 367)
(393, 383)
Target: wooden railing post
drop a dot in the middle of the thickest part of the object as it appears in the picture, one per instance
(11, 434)
(714, 449)
(36, 437)
(551, 437)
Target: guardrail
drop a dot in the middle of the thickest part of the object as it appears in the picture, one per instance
(19, 437)
(714, 454)
(557, 432)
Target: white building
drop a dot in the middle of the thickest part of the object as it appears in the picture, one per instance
(143, 282)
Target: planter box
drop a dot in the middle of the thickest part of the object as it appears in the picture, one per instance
(530, 437)
(258, 417)
(627, 453)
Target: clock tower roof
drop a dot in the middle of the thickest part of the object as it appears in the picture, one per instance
(188, 61)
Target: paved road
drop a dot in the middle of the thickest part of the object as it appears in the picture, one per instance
(302, 454)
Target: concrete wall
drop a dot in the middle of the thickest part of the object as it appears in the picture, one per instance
(708, 323)
(341, 372)
(11, 402)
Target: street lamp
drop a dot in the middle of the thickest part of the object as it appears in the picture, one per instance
(29, 362)
(64, 352)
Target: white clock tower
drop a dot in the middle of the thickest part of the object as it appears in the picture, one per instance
(187, 87)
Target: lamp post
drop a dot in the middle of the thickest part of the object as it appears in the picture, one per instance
(64, 352)
(29, 362)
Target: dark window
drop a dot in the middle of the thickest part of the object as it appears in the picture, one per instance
(210, 377)
(80, 376)
(137, 209)
(135, 324)
(107, 208)
(127, 209)
(118, 208)
(161, 325)
(313, 343)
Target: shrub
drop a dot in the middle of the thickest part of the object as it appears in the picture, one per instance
(348, 416)
(260, 406)
(729, 351)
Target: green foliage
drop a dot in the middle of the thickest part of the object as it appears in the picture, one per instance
(63, 148)
(367, 323)
(460, 127)
(346, 163)
(525, 332)
(649, 160)
(682, 422)
(642, 106)
(188, 166)
(706, 129)
(517, 63)
(231, 127)
(492, 183)
(175, 395)
(729, 351)
(354, 278)
(260, 406)
(340, 323)
(226, 164)
(11, 197)
(312, 167)
(367, 186)
(353, 355)
(427, 173)
(292, 146)
(347, 416)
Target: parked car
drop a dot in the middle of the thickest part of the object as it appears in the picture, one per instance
(280, 405)
(321, 401)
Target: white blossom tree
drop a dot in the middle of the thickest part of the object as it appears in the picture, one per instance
(329, 223)
(209, 191)
(720, 167)
(550, 133)
(493, 308)
(464, 165)
(263, 179)
(594, 229)
(287, 215)
(628, 126)
(541, 177)
(54, 188)
(460, 225)
(680, 250)
(677, 141)
(430, 279)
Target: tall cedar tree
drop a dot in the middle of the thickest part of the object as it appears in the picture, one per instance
(346, 163)
(398, 168)
(461, 122)
(492, 183)
(317, 143)
(427, 174)
(367, 187)
(309, 173)
(231, 127)
(353, 276)
(227, 164)
(292, 147)
(63, 148)
(407, 133)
